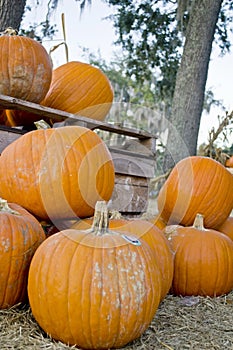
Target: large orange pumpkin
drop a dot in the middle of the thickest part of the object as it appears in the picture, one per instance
(149, 233)
(196, 184)
(98, 289)
(25, 68)
(21, 234)
(57, 173)
(80, 88)
(203, 262)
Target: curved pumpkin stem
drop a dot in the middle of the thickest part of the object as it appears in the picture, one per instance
(101, 219)
(4, 207)
(199, 222)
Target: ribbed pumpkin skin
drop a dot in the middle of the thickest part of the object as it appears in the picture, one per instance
(203, 263)
(227, 227)
(97, 292)
(25, 68)
(57, 173)
(196, 184)
(20, 236)
(158, 222)
(80, 88)
(152, 236)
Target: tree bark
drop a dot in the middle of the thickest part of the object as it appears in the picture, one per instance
(183, 125)
(11, 13)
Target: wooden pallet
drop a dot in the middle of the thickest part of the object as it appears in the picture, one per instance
(134, 161)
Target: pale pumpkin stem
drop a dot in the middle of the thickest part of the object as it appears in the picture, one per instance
(10, 31)
(41, 124)
(101, 219)
(4, 207)
(115, 214)
(199, 222)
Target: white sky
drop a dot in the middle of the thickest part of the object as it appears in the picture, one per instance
(95, 33)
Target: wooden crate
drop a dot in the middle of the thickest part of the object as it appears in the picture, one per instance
(134, 161)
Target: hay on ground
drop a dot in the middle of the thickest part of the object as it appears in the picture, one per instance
(194, 323)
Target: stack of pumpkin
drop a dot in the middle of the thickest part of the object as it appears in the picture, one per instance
(196, 204)
(98, 282)
(98, 287)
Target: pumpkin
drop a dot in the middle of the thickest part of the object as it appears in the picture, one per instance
(149, 233)
(21, 234)
(203, 261)
(4, 119)
(229, 162)
(158, 221)
(196, 184)
(95, 288)
(25, 67)
(57, 173)
(227, 227)
(80, 88)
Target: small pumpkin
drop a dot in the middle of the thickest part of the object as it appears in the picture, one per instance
(227, 227)
(229, 162)
(149, 233)
(203, 261)
(57, 173)
(25, 67)
(196, 184)
(80, 88)
(97, 288)
(20, 235)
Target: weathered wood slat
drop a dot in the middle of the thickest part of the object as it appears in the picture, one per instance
(130, 195)
(133, 164)
(7, 102)
(7, 137)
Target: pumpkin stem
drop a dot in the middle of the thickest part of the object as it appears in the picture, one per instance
(10, 31)
(115, 214)
(41, 124)
(4, 207)
(101, 219)
(199, 222)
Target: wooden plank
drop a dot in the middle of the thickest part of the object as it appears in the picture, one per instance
(128, 198)
(7, 137)
(129, 163)
(7, 102)
(134, 180)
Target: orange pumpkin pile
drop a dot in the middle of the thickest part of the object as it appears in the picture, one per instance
(97, 282)
(196, 202)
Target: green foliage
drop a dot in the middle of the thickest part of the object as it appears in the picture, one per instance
(151, 33)
(150, 39)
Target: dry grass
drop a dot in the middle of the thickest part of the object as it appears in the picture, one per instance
(195, 323)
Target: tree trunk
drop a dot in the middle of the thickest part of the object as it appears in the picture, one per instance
(183, 126)
(11, 13)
